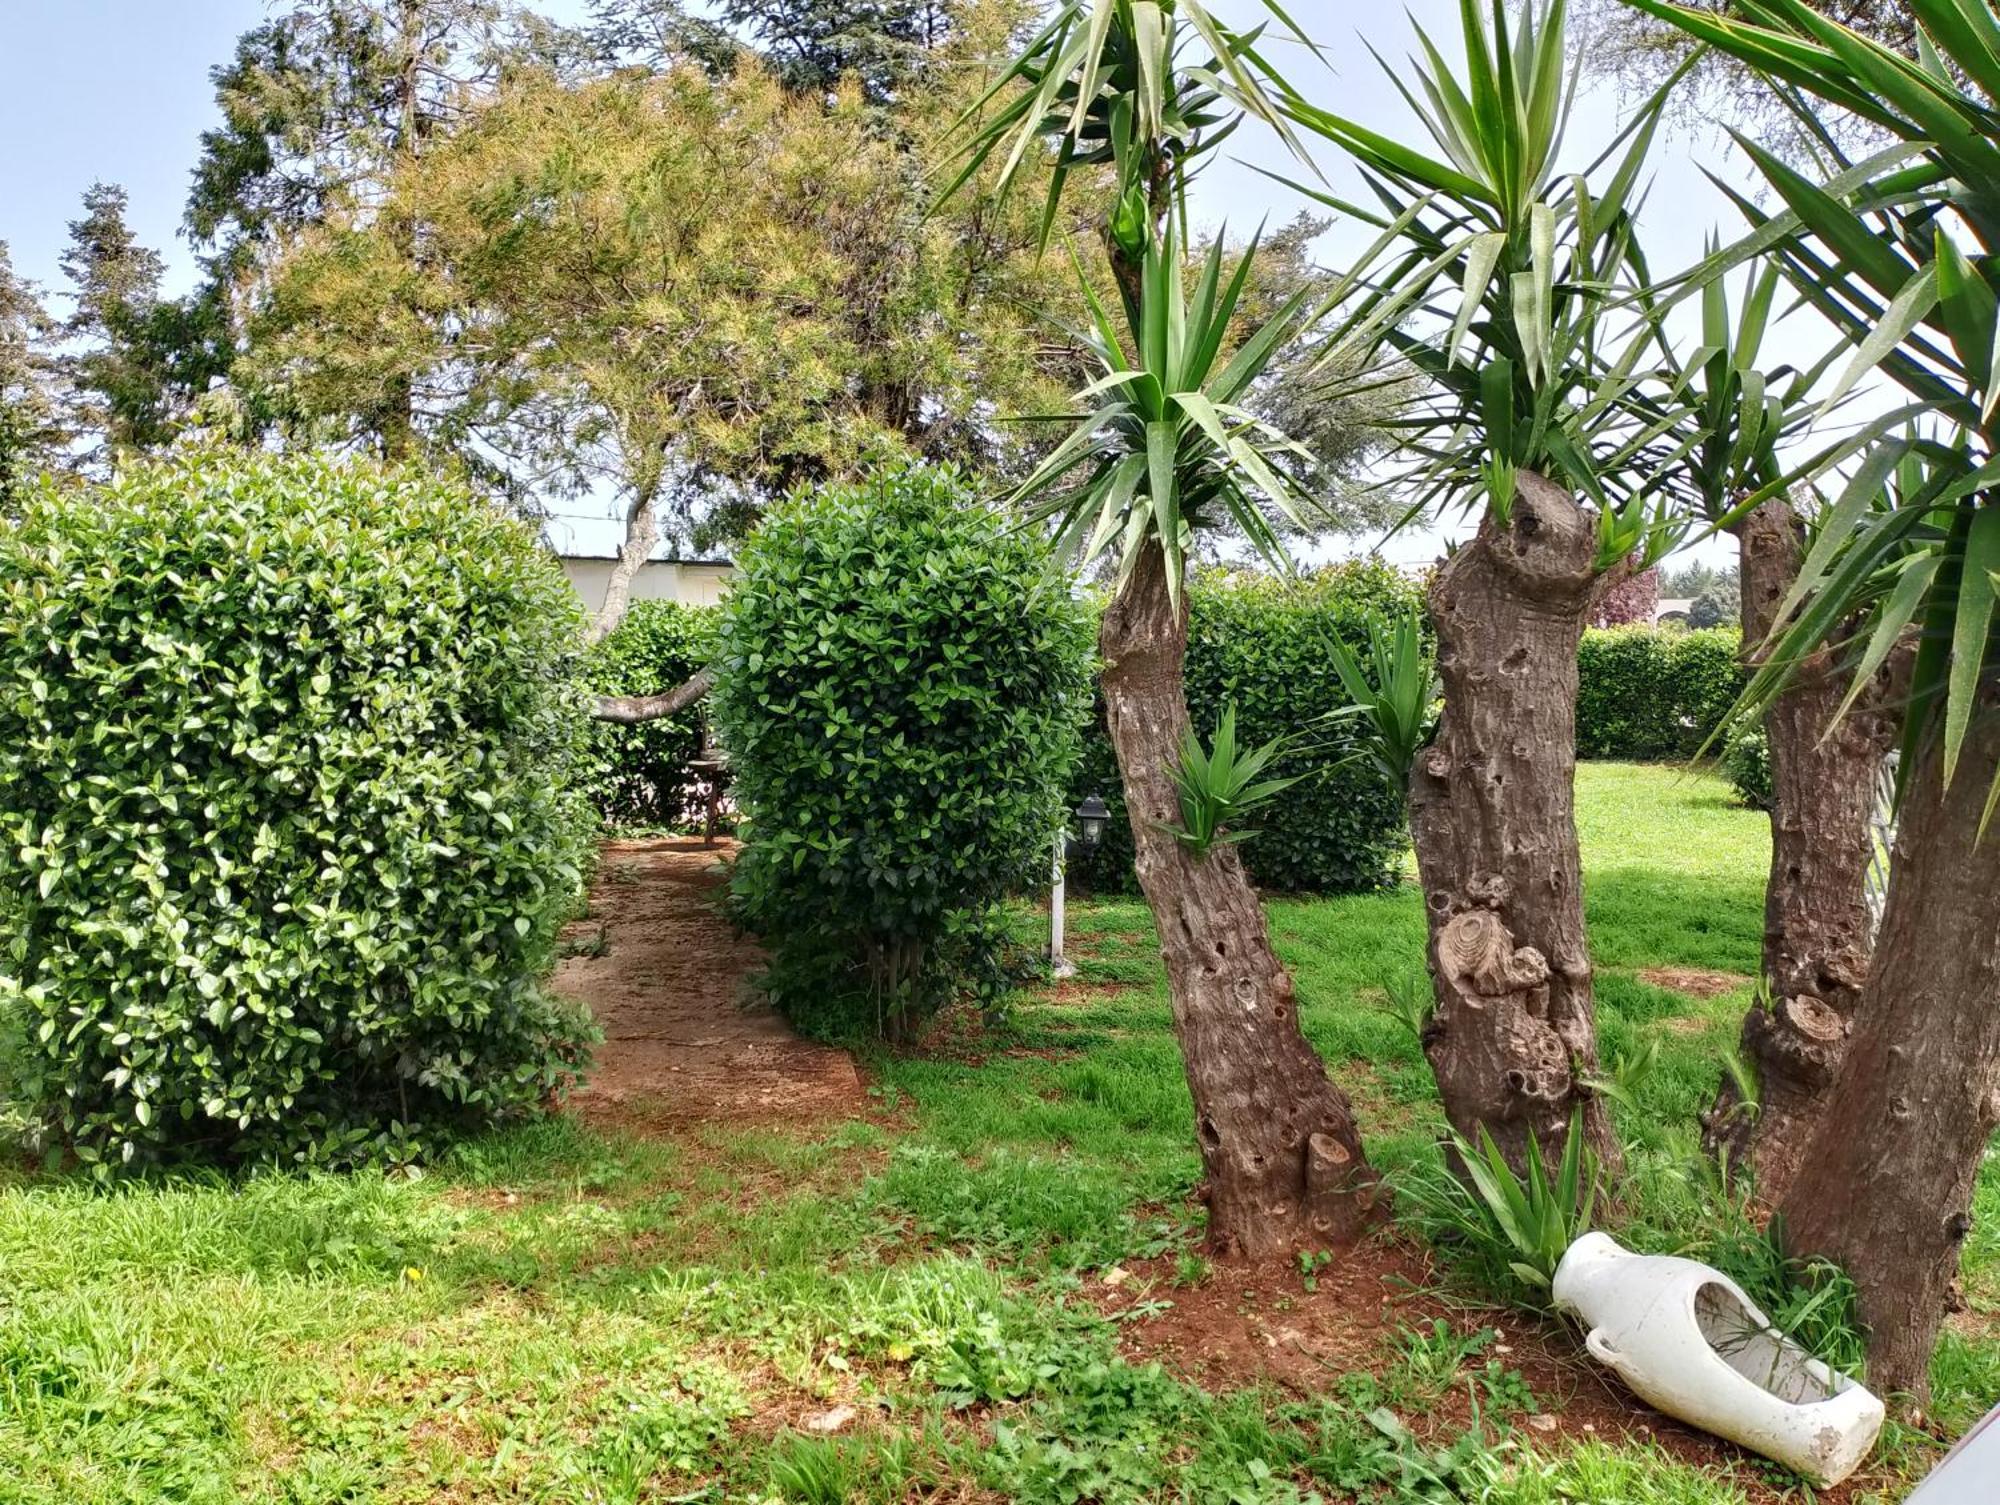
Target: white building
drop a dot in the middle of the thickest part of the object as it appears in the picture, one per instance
(693, 582)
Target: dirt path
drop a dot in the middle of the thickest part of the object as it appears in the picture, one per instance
(686, 1039)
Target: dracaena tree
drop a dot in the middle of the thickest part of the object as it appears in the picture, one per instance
(1144, 89)
(1511, 287)
(1903, 260)
(1818, 929)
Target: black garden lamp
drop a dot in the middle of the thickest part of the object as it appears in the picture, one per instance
(1091, 817)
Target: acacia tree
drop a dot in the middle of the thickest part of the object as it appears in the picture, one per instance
(1535, 418)
(1825, 753)
(1148, 87)
(1902, 259)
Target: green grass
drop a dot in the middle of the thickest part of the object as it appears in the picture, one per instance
(555, 1315)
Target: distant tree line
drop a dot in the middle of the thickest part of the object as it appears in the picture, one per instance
(672, 264)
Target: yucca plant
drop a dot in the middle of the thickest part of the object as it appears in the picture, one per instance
(1904, 262)
(1144, 89)
(1167, 447)
(1518, 291)
(1393, 693)
(1518, 1225)
(1222, 785)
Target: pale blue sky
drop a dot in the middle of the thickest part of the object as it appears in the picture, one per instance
(118, 90)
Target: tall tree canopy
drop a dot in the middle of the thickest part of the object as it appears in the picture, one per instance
(34, 433)
(695, 291)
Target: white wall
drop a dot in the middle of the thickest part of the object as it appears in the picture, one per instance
(657, 580)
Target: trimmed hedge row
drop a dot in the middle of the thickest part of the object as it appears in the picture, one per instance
(639, 774)
(1262, 643)
(1649, 692)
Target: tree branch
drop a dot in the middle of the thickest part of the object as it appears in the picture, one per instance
(632, 710)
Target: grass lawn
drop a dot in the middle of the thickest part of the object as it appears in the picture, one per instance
(557, 1315)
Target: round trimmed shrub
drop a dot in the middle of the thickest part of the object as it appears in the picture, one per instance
(903, 679)
(639, 774)
(1746, 763)
(288, 818)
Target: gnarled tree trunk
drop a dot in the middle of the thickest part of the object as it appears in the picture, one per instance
(1817, 929)
(1886, 1192)
(642, 536)
(1278, 1142)
(1493, 818)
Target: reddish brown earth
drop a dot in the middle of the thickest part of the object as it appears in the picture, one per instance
(1248, 1323)
(687, 1039)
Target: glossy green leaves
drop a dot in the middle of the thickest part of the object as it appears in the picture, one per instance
(288, 818)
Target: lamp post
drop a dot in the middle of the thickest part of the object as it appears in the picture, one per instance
(1091, 817)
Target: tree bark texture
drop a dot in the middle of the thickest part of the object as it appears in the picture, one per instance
(1493, 818)
(642, 536)
(1886, 1191)
(1817, 928)
(633, 710)
(1279, 1146)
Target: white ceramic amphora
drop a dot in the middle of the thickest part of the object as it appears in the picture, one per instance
(1684, 1337)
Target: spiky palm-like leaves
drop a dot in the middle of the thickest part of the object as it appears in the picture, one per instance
(1393, 693)
(1150, 86)
(1513, 288)
(1222, 784)
(1167, 445)
(1904, 263)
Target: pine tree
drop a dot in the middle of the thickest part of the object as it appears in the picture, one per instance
(33, 435)
(120, 377)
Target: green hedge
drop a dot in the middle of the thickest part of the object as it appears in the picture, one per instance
(288, 819)
(902, 679)
(1261, 643)
(639, 774)
(1651, 692)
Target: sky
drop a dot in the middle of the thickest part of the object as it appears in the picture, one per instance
(118, 91)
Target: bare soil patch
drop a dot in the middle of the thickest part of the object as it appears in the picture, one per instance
(687, 1039)
(1694, 981)
(1253, 1323)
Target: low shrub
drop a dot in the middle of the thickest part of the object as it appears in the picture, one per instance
(287, 823)
(1746, 763)
(902, 678)
(640, 774)
(1264, 645)
(1652, 692)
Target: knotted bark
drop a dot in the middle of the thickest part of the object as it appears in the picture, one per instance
(1279, 1147)
(1817, 927)
(1493, 817)
(1885, 1190)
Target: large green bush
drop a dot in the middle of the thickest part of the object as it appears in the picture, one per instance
(903, 676)
(1261, 643)
(639, 774)
(286, 819)
(1653, 692)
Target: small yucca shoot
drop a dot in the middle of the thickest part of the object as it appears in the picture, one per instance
(1393, 692)
(1538, 1217)
(1220, 786)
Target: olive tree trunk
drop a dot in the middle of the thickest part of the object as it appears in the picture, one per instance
(1886, 1190)
(1817, 927)
(1279, 1147)
(1493, 818)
